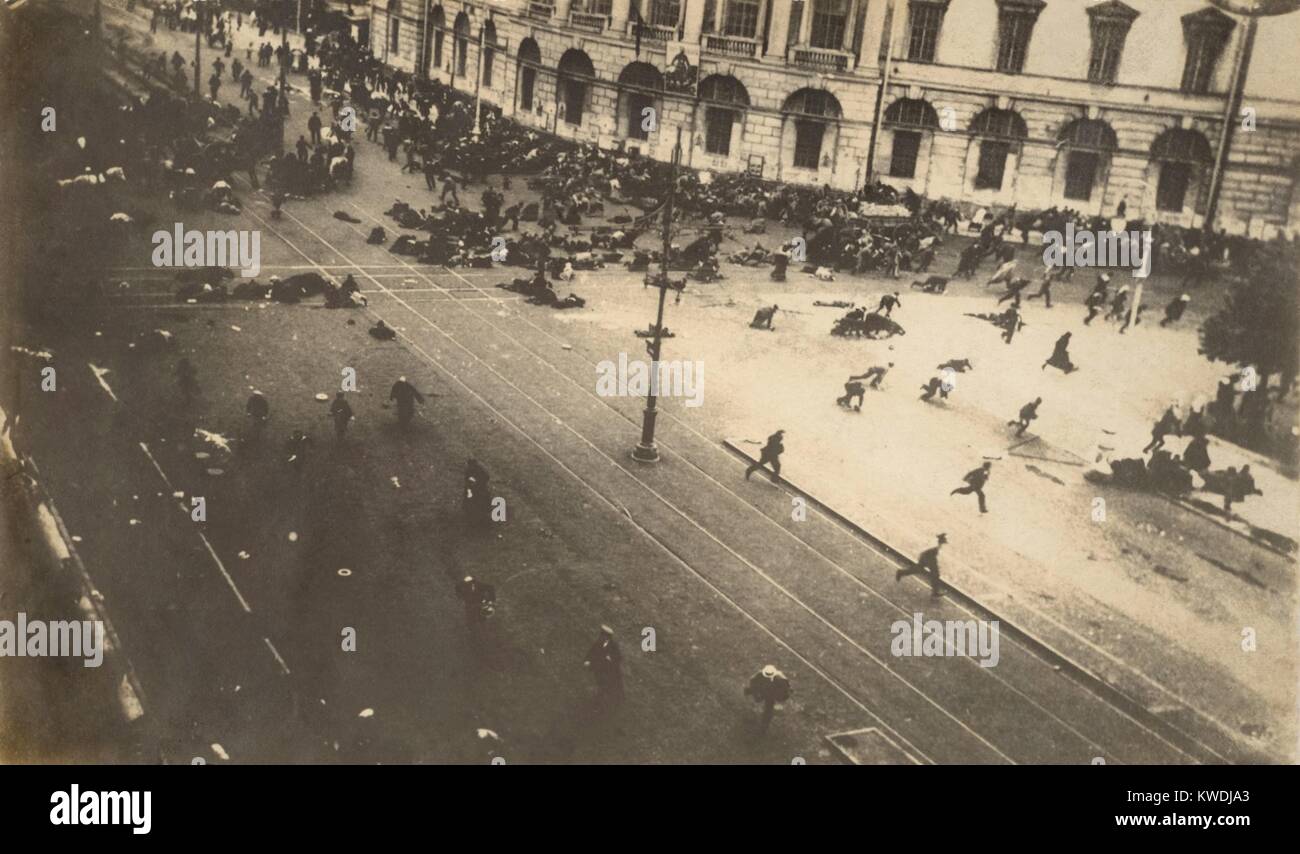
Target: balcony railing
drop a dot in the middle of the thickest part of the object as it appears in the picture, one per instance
(587, 21)
(652, 32)
(539, 10)
(731, 45)
(820, 58)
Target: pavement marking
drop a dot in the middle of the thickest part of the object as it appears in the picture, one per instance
(276, 653)
(243, 603)
(99, 375)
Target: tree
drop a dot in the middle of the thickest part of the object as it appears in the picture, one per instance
(1258, 323)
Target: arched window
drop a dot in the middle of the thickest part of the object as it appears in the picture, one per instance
(1001, 130)
(1180, 153)
(437, 23)
(725, 101)
(462, 44)
(812, 111)
(909, 118)
(489, 52)
(530, 59)
(1087, 142)
(575, 74)
(639, 83)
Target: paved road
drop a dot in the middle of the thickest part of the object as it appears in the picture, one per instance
(244, 651)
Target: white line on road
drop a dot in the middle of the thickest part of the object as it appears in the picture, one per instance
(243, 603)
(276, 653)
(99, 375)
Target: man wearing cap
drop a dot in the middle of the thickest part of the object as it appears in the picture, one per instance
(768, 686)
(928, 560)
(771, 453)
(605, 661)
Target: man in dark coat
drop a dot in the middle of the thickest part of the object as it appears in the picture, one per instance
(769, 455)
(927, 563)
(975, 480)
(768, 686)
(1028, 413)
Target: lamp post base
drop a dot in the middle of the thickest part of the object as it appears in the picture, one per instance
(643, 453)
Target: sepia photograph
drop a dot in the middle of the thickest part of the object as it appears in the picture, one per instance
(649, 382)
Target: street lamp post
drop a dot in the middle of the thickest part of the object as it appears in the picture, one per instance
(478, 81)
(646, 450)
(198, 48)
(1253, 10)
(285, 58)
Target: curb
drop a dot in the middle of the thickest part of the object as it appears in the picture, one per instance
(1116, 697)
(58, 543)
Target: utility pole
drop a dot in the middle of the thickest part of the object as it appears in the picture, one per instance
(880, 95)
(478, 81)
(285, 57)
(1252, 10)
(646, 451)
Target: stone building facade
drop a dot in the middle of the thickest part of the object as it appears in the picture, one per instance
(1082, 103)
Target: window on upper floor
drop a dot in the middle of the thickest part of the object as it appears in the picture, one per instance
(1207, 34)
(829, 20)
(923, 30)
(1016, 19)
(741, 18)
(1109, 23)
(665, 13)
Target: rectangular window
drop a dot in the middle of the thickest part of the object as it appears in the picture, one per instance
(742, 18)
(992, 165)
(902, 162)
(923, 34)
(796, 22)
(1172, 189)
(710, 21)
(637, 102)
(394, 34)
(1080, 174)
(808, 144)
(1014, 29)
(600, 7)
(1107, 45)
(665, 13)
(717, 136)
(575, 92)
(1203, 49)
(488, 55)
(829, 19)
(527, 79)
